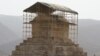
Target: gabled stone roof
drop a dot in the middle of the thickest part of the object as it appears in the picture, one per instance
(53, 7)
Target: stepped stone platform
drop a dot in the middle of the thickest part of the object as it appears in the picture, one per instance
(47, 41)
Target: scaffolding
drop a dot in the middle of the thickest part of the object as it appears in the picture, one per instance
(70, 16)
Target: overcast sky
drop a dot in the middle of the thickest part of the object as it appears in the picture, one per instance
(87, 9)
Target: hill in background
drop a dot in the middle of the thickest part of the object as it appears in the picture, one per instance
(11, 34)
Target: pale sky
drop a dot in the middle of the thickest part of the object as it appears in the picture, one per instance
(87, 9)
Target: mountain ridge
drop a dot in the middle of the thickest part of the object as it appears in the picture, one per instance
(89, 31)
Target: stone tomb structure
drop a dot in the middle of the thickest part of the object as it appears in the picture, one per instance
(50, 34)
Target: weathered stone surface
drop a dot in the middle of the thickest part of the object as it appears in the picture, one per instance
(50, 37)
